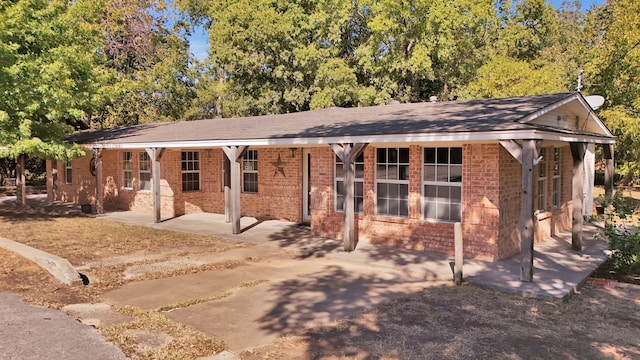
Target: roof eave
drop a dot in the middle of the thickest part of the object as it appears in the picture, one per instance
(381, 139)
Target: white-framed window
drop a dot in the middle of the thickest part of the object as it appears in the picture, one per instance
(557, 179)
(442, 183)
(392, 181)
(144, 171)
(68, 172)
(250, 171)
(541, 195)
(190, 171)
(127, 170)
(339, 190)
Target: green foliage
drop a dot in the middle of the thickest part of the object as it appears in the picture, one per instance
(625, 247)
(504, 77)
(148, 76)
(47, 71)
(35, 169)
(624, 241)
(613, 66)
(617, 206)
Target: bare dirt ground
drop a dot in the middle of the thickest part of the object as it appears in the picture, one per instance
(442, 322)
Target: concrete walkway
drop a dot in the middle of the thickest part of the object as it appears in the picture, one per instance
(558, 270)
(32, 332)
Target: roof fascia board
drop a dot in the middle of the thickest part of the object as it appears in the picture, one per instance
(407, 138)
(536, 114)
(592, 114)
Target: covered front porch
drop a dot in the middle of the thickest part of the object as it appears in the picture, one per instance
(559, 270)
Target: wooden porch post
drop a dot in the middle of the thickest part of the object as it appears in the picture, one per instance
(577, 152)
(156, 155)
(21, 186)
(527, 156)
(97, 156)
(234, 154)
(527, 210)
(348, 153)
(589, 180)
(608, 170)
(226, 168)
(52, 180)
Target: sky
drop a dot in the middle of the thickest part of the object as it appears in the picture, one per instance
(199, 40)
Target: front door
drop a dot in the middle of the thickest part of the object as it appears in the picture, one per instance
(306, 185)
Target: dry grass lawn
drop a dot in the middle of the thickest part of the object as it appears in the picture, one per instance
(82, 240)
(443, 322)
(467, 322)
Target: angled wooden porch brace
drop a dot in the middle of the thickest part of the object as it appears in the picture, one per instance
(234, 154)
(156, 155)
(97, 162)
(527, 156)
(347, 153)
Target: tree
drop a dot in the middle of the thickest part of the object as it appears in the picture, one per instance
(264, 49)
(146, 52)
(537, 50)
(47, 74)
(504, 77)
(293, 55)
(613, 71)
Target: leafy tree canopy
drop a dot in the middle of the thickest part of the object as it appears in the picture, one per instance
(613, 70)
(47, 73)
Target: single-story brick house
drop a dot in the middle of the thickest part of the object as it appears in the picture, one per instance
(414, 169)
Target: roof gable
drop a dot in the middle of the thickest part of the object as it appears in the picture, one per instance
(572, 113)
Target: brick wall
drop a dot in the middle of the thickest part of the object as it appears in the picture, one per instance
(481, 199)
(279, 196)
(548, 221)
(509, 204)
(81, 187)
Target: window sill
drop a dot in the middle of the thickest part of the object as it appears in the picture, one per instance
(543, 215)
(342, 212)
(389, 218)
(446, 222)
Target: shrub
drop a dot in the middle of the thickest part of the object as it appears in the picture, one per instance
(616, 206)
(624, 240)
(625, 247)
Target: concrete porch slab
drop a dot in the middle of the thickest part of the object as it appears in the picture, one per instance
(558, 270)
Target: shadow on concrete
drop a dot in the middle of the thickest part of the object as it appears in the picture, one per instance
(299, 238)
(430, 265)
(558, 270)
(36, 209)
(331, 294)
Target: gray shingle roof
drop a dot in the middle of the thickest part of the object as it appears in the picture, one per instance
(416, 118)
